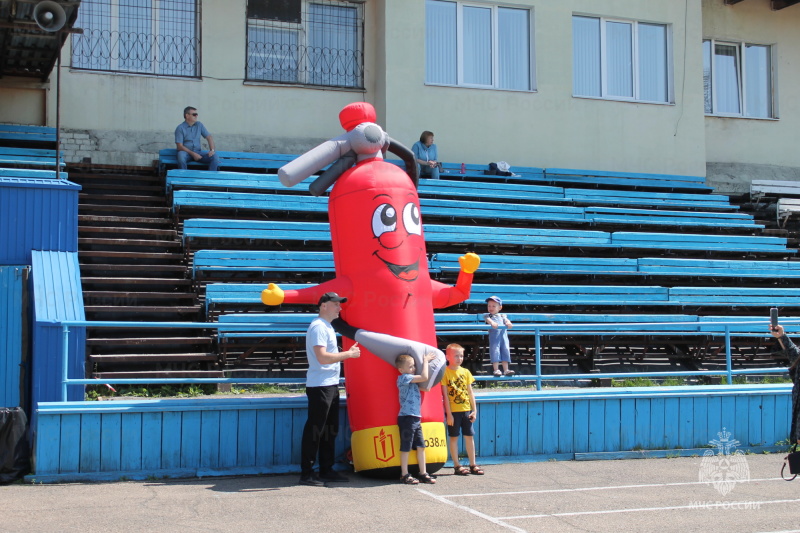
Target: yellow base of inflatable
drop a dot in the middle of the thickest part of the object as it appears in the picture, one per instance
(378, 448)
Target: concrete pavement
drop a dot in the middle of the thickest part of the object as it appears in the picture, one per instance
(664, 495)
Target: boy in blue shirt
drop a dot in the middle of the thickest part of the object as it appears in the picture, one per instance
(409, 419)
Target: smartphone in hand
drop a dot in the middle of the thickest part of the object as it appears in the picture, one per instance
(773, 317)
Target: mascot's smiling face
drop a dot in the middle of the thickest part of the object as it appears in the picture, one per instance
(382, 229)
(396, 225)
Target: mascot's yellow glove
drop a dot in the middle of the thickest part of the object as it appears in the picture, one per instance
(469, 262)
(272, 295)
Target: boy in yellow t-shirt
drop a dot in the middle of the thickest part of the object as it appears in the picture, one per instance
(460, 408)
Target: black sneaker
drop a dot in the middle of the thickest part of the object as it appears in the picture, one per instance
(334, 477)
(311, 481)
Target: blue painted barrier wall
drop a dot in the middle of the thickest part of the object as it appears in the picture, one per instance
(37, 214)
(12, 348)
(57, 296)
(186, 438)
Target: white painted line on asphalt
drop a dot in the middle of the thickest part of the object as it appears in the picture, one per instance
(607, 487)
(645, 509)
(471, 511)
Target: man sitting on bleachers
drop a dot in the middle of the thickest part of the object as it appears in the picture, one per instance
(187, 140)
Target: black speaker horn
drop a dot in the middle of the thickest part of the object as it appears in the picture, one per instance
(49, 16)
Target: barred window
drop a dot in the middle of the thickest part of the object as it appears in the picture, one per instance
(306, 42)
(159, 37)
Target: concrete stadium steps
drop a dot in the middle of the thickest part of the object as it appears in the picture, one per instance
(133, 269)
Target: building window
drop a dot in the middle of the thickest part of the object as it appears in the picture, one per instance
(478, 45)
(306, 42)
(621, 60)
(157, 37)
(737, 79)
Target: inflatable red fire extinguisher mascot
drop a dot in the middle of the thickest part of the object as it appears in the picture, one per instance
(382, 269)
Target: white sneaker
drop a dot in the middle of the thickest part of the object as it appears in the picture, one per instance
(497, 373)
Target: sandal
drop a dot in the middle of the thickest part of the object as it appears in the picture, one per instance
(426, 478)
(461, 470)
(475, 469)
(408, 479)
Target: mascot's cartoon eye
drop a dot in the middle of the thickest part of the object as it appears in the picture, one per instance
(411, 219)
(384, 219)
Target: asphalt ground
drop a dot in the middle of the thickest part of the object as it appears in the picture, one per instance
(663, 495)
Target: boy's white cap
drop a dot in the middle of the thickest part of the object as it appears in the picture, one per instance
(495, 298)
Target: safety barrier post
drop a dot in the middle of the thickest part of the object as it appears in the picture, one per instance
(728, 364)
(538, 356)
(64, 360)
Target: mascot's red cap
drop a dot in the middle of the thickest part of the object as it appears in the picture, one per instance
(356, 113)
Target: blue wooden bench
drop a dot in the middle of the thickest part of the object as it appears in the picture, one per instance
(634, 180)
(263, 261)
(24, 135)
(474, 190)
(227, 263)
(523, 264)
(30, 173)
(201, 201)
(570, 294)
(251, 230)
(206, 201)
(281, 324)
(636, 295)
(618, 240)
(649, 199)
(248, 333)
(689, 241)
(667, 266)
(735, 296)
(475, 171)
(244, 296)
(615, 215)
(200, 180)
(28, 157)
(454, 324)
(178, 179)
(248, 295)
(749, 325)
(469, 236)
(480, 190)
(239, 295)
(242, 325)
(168, 158)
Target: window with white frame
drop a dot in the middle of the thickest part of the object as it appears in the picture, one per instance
(157, 37)
(621, 59)
(310, 42)
(737, 79)
(478, 45)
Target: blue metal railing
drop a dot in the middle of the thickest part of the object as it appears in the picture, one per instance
(713, 329)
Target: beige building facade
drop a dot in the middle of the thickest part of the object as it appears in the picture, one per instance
(694, 87)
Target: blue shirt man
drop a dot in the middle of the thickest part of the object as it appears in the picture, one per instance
(187, 141)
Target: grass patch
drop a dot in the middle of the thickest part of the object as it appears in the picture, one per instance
(262, 388)
(633, 382)
(98, 392)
